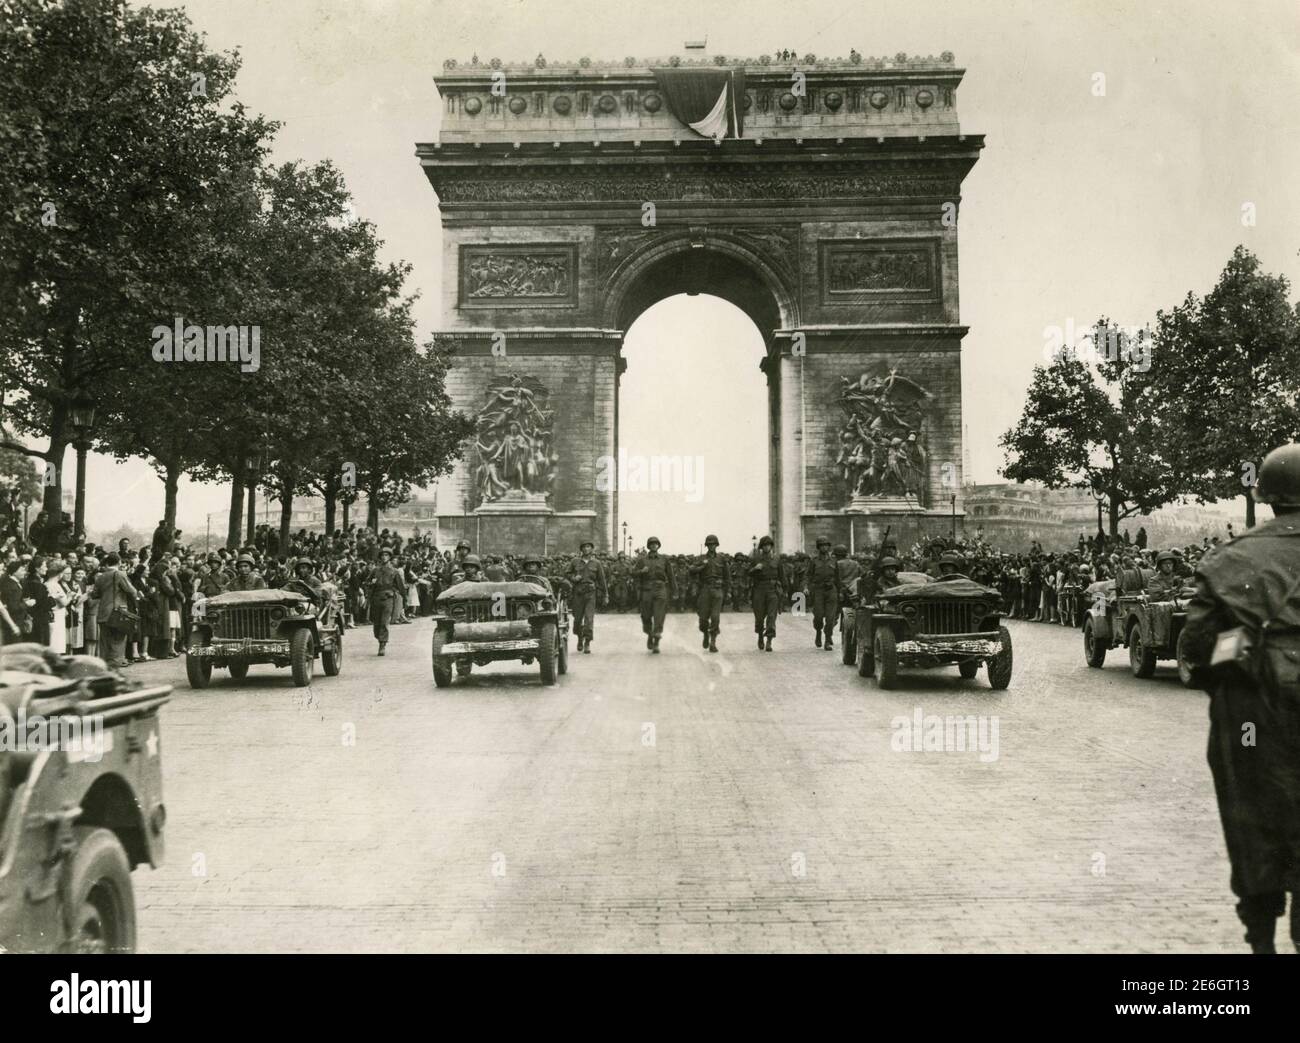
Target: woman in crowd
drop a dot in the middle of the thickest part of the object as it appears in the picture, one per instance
(90, 617)
(60, 596)
(77, 611)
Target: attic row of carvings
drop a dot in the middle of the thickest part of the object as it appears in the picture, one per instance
(813, 100)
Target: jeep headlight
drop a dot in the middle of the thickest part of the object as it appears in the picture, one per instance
(277, 614)
(909, 611)
(523, 609)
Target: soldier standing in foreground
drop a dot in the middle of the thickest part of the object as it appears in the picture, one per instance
(654, 575)
(714, 579)
(1243, 639)
(765, 593)
(385, 585)
(822, 577)
(587, 577)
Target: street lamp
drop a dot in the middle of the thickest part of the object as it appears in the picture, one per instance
(253, 465)
(626, 546)
(83, 424)
(1099, 495)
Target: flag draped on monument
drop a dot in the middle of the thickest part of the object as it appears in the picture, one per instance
(709, 101)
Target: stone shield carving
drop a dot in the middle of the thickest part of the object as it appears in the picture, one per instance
(882, 439)
(514, 443)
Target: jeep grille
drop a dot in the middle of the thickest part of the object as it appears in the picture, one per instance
(241, 622)
(948, 617)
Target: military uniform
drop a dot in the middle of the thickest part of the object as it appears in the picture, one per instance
(654, 574)
(586, 577)
(253, 581)
(713, 578)
(385, 585)
(823, 592)
(765, 596)
(1253, 583)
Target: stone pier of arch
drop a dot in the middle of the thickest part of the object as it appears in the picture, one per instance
(574, 201)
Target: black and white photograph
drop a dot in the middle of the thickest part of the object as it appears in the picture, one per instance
(684, 478)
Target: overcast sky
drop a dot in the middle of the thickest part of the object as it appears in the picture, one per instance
(1078, 206)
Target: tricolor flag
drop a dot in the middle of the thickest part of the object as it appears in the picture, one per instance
(709, 101)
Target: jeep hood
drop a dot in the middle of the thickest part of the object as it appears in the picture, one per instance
(484, 591)
(254, 597)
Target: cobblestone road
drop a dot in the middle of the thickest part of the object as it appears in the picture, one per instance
(685, 801)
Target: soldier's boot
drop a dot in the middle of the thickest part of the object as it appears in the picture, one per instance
(713, 642)
(654, 645)
(818, 639)
(381, 647)
(650, 642)
(760, 642)
(586, 646)
(830, 642)
(768, 648)
(706, 640)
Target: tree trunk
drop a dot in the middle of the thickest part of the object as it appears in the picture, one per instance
(52, 497)
(331, 498)
(1250, 509)
(372, 509)
(1114, 516)
(287, 482)
(236, 520)
(170, 484)
(252, 511)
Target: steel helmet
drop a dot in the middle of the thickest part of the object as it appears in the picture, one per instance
(767, 541)
(244, 558)
(471, 559)
(1278, 481)
(1166, 555)
(840, 551)
(822, 541)
(654, 540)
(710, 540)
(889, 563)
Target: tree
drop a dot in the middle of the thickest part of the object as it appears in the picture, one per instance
(20, 485)
(115, 128)
(1228, 377)
(1090, 423)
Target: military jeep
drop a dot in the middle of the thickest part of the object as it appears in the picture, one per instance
(926, 622)
(289, 627)
(1122, 613)
(491, 621)
(80, 800)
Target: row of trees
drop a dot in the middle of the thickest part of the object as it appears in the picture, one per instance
(1214, 387)
(138, 193)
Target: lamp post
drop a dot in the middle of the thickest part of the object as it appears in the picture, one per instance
(626, 546)
(83, 424)
(254, 464)
(1099, 495)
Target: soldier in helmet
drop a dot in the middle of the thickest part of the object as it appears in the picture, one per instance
(823, 576)
(1243, 642)
(765, 589)
(462, 549)
(531, 571)
(1166, 584)
(654, 575)
(951, 565)
(245, 577)
(304, 571)
(469, 568)
(385, 586)
(714, 579)
(586, 578)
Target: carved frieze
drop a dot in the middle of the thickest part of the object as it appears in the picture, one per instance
(518, 276)
(883, 270)
(638, 187)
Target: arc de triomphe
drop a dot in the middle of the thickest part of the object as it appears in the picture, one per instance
(819, 196)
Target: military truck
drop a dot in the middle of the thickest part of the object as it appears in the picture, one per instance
(927, 622)
(1121, 613)
(81, 801)
(292, 626)
(481, 622)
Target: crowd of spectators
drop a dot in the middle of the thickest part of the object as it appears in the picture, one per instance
(134, 604)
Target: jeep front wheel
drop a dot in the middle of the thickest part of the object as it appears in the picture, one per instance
(547, 651)
(886, 656)
(441, 663)
(99, 896)
(1000, 665)
(1141, 659)
(302, 656)
(1094, 652)
(332, 658)
(198, 669)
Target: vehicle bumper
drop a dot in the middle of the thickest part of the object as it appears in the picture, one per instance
(524, 644)
(240, 649)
